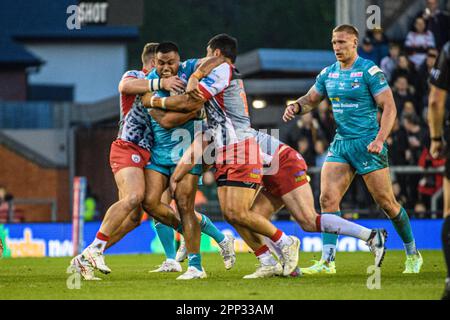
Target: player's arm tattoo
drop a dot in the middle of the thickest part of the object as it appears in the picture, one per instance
(169, 119)
(385, 101)
(436, 112)
(308, 102)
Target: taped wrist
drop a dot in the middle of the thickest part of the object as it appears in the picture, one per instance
(154, 85)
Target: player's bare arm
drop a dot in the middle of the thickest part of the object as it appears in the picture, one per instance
(436, 114)
(385, 100)
(181, 103)
(132, 86)
(169, 120)
(303, 105)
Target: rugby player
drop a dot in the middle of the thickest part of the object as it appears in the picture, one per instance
(356, 88)
(439, 88)
(129, 154)
(285, 184)
(166, 151)
(238, 164)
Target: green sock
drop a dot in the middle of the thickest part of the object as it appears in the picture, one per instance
(403, 227)
(210, 229)
(329, 242)
(195, 260)
(166, 236)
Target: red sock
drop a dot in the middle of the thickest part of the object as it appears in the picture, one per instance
(277, 236)
(318, 225)
(101, 236)
(261, 250)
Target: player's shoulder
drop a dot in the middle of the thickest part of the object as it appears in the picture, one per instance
(369, 67)
(189, 65)
(325, 71)
(138, 74)
(152, 74)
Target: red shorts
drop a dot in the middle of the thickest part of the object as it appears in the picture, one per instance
(240, 162)
(291, 173)
(125, 154)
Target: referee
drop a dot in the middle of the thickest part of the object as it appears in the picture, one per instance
(440, 86)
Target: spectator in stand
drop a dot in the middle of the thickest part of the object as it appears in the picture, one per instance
(437, 21)
(402, 93)
(390, 62)
(306, 126)
(417, 139)
(422, 90)
(405, 68)
(321, 150)
(326, 120)
(380, 43)
(305, 148)
(417, 136)
(418, 41)
(6, 204)
(398, 141)
(367, 50)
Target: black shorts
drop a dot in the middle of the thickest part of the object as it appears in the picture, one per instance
(222, 181)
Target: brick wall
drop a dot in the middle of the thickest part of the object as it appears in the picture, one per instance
(13, 85)
(25, 179)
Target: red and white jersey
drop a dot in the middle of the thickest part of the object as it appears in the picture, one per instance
(134, 125)
(226, 108)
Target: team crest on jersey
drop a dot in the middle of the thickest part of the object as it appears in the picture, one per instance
(356, 84)
(136, 158)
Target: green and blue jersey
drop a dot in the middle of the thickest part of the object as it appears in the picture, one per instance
(169, 144)
(351, 93)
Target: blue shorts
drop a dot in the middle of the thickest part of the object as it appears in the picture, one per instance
(168, 170)
(354, 152)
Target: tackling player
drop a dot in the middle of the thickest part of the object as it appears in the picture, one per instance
(285, 184)
(439, 88)
(166, 151)
(356, 88)
(238, 164)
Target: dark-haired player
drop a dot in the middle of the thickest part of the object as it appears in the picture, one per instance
(238, 164)
(440, 86)
(356, 88)
(167, 149)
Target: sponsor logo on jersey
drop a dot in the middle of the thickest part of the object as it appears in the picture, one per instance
(374, 70)
(136, 158)
(333, 75)
(300, 176)
(341, 85)
(356, 75)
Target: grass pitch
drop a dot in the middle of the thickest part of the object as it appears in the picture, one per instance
(45, 278)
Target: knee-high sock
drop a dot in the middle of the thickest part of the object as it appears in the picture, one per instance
(336, 225)
(208, 227)
(403, 227)
(329, 242)
(166, 236)
(446, 243)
